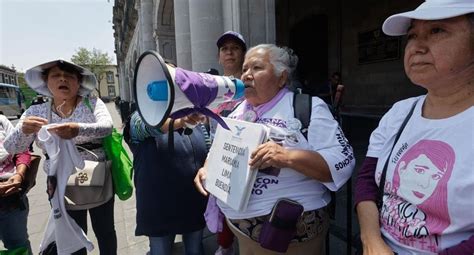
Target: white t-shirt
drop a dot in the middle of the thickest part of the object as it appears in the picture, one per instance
(324, 136)
(433, 159)
(61, 228)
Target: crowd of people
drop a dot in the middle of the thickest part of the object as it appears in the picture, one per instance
(414, 188)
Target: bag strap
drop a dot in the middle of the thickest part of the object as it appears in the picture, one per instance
(171, 136)
(381, 189)
(49, 105)
(88, 103)
(89, 151)
(302, 110)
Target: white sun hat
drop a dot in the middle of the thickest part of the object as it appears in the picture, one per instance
(429, 10)
(34, 78)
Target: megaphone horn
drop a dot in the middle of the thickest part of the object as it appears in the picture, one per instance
(162, 91)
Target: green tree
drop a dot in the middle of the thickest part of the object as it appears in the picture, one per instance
(94, 60)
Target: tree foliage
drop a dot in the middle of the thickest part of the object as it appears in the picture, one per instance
(95, 60)
(26, 90)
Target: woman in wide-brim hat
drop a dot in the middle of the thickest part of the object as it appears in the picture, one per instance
(427, 204)
(83, 119)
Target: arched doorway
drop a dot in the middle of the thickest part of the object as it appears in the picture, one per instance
(312, 69)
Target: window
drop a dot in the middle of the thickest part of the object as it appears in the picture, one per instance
(110, 77)
(111, 90)
(3, 92)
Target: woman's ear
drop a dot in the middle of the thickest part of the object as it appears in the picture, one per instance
(283, 79)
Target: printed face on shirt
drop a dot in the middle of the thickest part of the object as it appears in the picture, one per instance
(62, 84)
(258, 75)
(439, 52)
(418, 179)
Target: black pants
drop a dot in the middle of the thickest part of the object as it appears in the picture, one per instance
(102, 219)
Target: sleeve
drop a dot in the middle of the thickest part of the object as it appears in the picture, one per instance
(22, 158)
(388, 127)
(6, 124)
(16, 141)
(464, 248)
(103, 124)
(139, 131)
(366, 189)
(326, 138)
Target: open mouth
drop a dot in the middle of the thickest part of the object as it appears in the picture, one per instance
(63, 87)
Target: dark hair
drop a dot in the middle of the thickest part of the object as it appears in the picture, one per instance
(470, 16)
(66, 67)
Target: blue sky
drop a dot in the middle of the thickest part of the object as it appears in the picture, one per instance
(35, 31)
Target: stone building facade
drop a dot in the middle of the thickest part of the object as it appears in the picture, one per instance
(328, 36)
(109, 84)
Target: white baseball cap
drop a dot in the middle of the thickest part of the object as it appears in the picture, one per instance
(34, 77)
(429, 10)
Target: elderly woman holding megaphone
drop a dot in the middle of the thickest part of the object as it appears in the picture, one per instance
(300, 169)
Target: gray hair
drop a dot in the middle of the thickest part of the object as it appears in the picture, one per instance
(282, 59)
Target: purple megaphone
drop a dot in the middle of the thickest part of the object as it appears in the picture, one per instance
(162, 91)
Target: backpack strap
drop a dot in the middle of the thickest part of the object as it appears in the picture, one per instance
(302, 110)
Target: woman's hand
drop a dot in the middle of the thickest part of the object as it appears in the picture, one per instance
(199, 180)
(376, 246)
(372, 241)
(11, 186)
(66, 130)
(32, 124)
(192, 120)
(269, 154)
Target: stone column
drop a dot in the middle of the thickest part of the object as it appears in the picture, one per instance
(206, 25)
(146, 25)
(182, 34)
(124, 86)
(257, 21)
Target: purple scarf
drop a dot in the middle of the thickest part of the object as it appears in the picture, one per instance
(263, 108)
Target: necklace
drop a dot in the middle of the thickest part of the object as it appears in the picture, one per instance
(59, 109)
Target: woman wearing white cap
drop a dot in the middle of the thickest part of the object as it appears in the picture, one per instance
(84, 120)
(421, 153)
